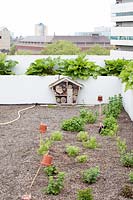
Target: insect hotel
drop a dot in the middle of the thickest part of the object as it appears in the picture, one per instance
(66, 90)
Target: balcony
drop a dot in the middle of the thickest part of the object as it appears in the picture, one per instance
(122, 7)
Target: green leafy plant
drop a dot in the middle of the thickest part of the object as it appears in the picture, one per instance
(72, 150)
(126, 75)
(55, 184)
(114, 106)
(44, 146)
(131, 176)
(56, 136)
(88, 116)
(110, 126)
(82, 158)
(91, 175)
(127, 191)
(121, 145)
(82, 136)
(80, 68)
(51, 170)
(113, 67)
(43, 67)
(73, 124)
(85, 194)
(91, 143)
(127, 159)
(6, 65)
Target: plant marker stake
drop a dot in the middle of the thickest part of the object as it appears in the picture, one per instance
(100, 99)
(35, 177)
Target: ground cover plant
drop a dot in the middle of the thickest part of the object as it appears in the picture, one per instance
(20, 160)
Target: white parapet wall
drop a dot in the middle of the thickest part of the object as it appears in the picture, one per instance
(23, 89)
(24, 61)
(128, 101)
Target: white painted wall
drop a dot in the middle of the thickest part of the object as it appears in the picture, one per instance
(26, 60)
(121, 54)
(128, 101)
(35, 89)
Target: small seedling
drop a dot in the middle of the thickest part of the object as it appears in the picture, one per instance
(56, 136)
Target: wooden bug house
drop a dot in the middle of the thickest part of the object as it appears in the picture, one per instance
(66, 90)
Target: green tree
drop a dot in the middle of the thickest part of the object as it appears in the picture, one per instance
(98, 50)
(12, 50)
(61, 48)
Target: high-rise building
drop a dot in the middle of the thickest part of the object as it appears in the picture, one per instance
(4, 39)
(122, 32)
(40, 29)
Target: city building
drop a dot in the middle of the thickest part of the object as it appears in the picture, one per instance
(122, 32)
(40, 29)
(37, 43)
(102, 30)
(4, 39)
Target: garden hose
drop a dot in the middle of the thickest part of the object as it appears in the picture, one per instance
(9, 122)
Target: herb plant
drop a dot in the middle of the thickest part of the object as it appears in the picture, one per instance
(91, 143)
(56, 136)
(82, 158)
(110, 126)
(44, 146)
(85, 194)
(72, 150)
(51, 170)
(91, 175)
(88, 116)
(73, 124)
(55, 184)
(131, 176)
(121, 145)
(127, 159)
(82, 136)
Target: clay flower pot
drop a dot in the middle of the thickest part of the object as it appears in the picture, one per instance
(47, 160)
(43, 128)
(100, 98)
(26, 197)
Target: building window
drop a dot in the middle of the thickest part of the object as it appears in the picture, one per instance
(0, 37)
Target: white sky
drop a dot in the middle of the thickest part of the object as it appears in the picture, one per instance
(61, 16)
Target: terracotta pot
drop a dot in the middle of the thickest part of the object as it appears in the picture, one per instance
(26, 197)
(100, 98)
(43, 128)
(47, 160)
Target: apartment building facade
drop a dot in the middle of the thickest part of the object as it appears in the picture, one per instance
(122, 31)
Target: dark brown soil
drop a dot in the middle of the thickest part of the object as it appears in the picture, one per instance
(19, 160)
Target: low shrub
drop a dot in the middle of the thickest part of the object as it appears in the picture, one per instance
(88, 116)
(82, 136)
(85, 194)
(72, 150)
(73, 124)
(82, 158)
(91, 175)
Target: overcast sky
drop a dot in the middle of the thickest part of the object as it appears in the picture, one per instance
(61, 16)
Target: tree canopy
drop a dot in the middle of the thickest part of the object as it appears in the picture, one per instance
(61, 48)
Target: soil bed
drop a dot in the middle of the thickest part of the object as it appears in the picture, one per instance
(19, 160)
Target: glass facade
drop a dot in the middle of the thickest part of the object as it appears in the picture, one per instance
(122, 14)
(121, 37)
